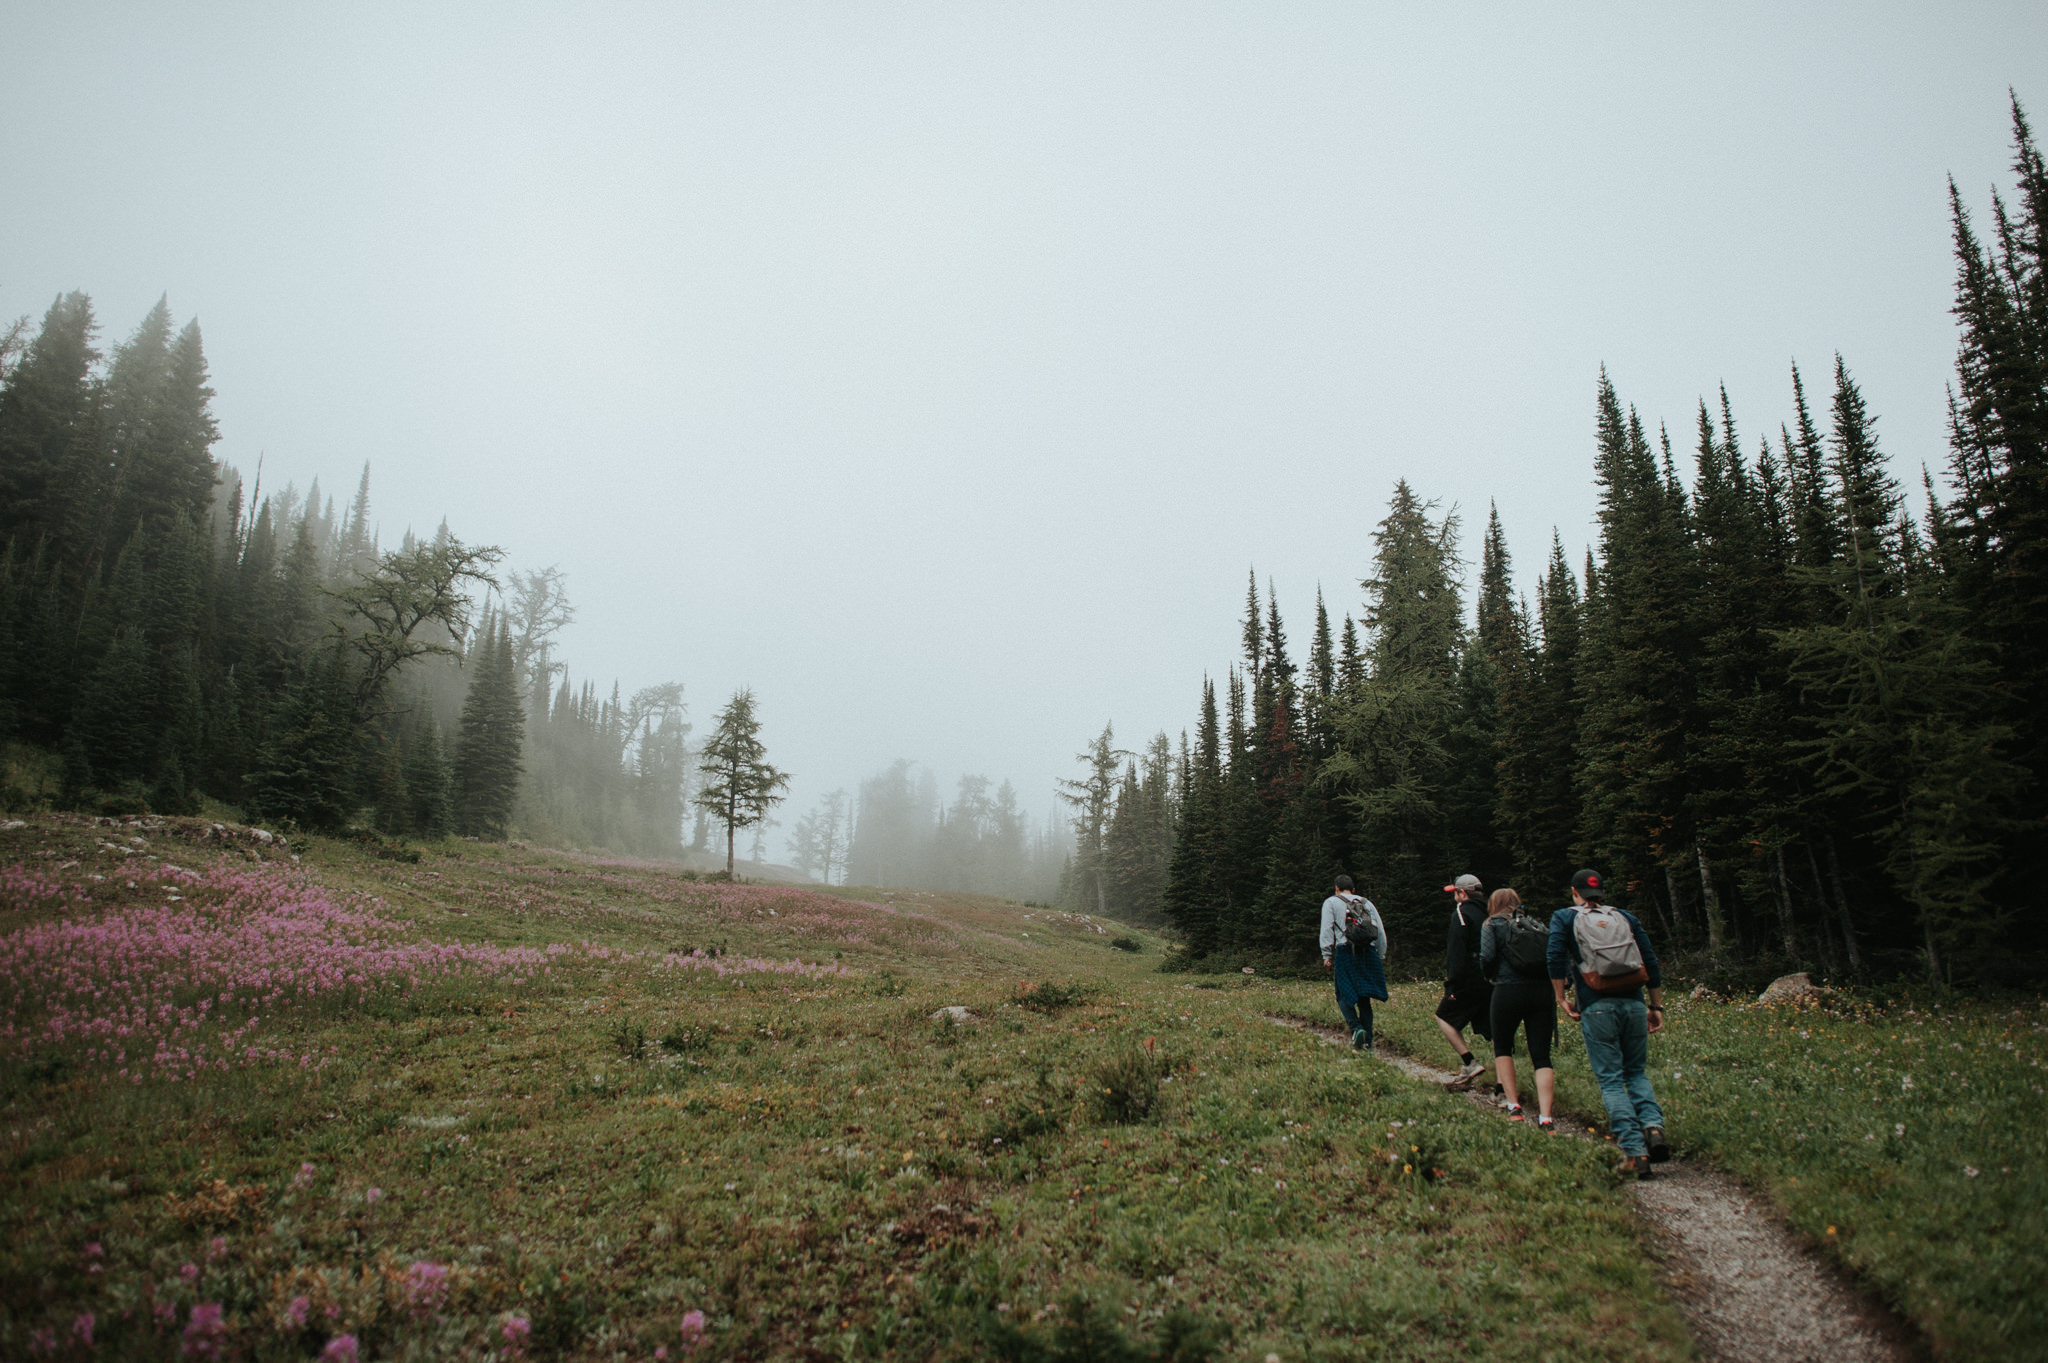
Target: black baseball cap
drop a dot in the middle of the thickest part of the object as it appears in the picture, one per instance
(1588, 884)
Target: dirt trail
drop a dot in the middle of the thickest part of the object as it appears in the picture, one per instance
(1749, 1287)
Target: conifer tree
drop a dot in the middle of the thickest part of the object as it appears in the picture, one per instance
(305, 773)
(49, 421)
(1093, 800)
(1392, 763)
(739, 786)
(1905, 729)
(428, 782)
(489, 742)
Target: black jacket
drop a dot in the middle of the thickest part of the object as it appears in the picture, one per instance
(1461, 948)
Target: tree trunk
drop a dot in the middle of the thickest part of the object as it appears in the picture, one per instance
(729, 832)
(1710, 902)
(1842, 905)
(1677, 904)
(1927, 933)
(1785, 922)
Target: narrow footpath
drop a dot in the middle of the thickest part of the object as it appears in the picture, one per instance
(1750, 1288)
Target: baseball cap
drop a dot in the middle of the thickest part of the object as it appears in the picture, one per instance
(1588, 884)
(1465, 883)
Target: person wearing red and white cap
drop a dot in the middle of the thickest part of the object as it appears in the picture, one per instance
(1468, 998)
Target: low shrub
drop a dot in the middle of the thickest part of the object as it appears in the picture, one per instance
(1051, 996)
(1123, 1086)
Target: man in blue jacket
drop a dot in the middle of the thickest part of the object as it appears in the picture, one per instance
(1616, 1025)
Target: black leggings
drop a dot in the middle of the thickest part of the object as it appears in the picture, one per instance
(1523, 1003)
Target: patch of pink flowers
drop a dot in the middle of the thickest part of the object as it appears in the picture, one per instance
(204, 1332)
(340, 1349)
(426, 1287)
(173, 988)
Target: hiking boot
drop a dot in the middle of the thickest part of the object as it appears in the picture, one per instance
(1636, 1166)
(1660, 1149)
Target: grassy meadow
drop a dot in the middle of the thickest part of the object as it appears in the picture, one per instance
(328, 1100)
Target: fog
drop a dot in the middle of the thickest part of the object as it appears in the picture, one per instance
(939, 371)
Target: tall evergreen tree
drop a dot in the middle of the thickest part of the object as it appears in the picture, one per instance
(739, 785)
(491, 738)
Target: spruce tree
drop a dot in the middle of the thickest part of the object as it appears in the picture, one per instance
(428, 782)
(489, 742)
(1393, 765)
(49, 422)
(1903, 728)
(305, 773)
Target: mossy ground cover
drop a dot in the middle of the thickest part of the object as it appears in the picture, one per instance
(1908, 1138)
(571, 1158)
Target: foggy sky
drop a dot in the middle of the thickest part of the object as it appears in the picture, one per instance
(940, 370)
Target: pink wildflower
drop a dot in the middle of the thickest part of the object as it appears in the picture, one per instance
(340, 1349)
(204, 1332)
(426, 1287)
(81, 1329)
(373, 1196)
(304, 1178)
(693, 1330)
(217, 1248)
(190, 1273)
(295, 1314)
(515, 1332)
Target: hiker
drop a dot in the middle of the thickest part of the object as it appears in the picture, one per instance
(1514, 949)
(1354, 944)
(1468, 997)
(1606, 957)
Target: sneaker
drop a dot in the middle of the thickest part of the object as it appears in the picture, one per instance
(1359, 1040)
(1472, 1069)
(1636, 1166)
(1514, 1112)
(1545, 1124)
(1660, 1149)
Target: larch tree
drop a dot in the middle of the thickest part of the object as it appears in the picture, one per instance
(737, 786)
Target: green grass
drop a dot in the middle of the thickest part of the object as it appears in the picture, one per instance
(1102, 1162)
(1909, 1139)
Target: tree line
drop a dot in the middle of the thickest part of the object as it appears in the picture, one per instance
(1794, 712)
(898, 831)
(166, 639)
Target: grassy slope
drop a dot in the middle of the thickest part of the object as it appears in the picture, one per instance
(813, 1162)
(1909, 1141)
(826, 1171)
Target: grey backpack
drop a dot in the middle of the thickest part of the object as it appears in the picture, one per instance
(1608, 955)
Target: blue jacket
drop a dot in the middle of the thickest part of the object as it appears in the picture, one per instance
(1564, 957)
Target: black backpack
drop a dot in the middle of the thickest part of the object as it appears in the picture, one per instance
(1358, 931)
(1527, 947)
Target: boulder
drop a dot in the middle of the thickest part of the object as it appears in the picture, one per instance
(953, 1011)
(1786, 988)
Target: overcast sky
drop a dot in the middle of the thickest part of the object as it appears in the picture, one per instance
(939, 370)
